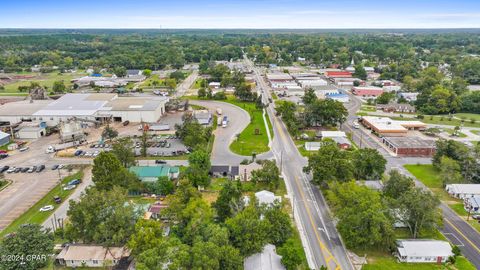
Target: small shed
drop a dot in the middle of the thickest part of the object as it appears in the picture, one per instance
(4, 138)
(31, 132)
(312, 146)
(423, 251)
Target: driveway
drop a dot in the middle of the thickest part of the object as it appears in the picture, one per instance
(238, 121)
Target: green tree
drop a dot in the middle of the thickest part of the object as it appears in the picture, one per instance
(147, 235)
(362, 219)
(418, 210)
(109, 133)
(449, 148)
(310, 97)
(360, 72)
(269, 174)
(248, 232)
(229, 201)
(177, 75)
(202, 92)
(368, 164)
(397, 184)
(192, 133)
(144, 142)
(292, 254)
(28, 240)
(385, 98)
(119, 71)
(101, 217)
(147, 72)
(280, 225)
(325, 112)
(450, 171)
(329, 163)
(123, 150)
(108, 172)
(169, 254)
(163, 186)
(59, 87)
(198, 169)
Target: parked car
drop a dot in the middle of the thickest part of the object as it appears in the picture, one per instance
(17, 170)
(25, 169)
(47, 208)
(32, 169)
(11, 170)
(23, 149)
(3, 155)
(126, 123)
(4, 168)
(74, 182)
(78, 153)
(158, 161)
(477, 217)
(69, 187)
(60, 166)
(40, 168)
(54, 167)
(57, 199)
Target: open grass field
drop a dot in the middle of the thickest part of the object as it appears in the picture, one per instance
(46, 80)
(444, 120)
(390, 263)
(468, 116)
(33, 215)
(248, 142)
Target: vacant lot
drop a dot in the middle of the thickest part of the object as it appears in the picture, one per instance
(46, 80)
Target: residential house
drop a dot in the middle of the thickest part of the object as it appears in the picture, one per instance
(397, 107)
(266, 197)
(342, 142)
(152, 173)
(154, 210)
(268, 259)
(367, 91)
(77, 255)
(423, 251)
(462, 191)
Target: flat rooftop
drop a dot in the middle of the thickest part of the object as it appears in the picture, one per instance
(74, 104)
(135, 104)
(23, 107)
(410, 142)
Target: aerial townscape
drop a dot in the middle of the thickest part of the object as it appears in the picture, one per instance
(230, 139)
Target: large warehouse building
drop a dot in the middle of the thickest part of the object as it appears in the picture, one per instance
(88, 107)
(410, 146)
(385, 126)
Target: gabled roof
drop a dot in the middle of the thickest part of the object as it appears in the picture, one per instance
(424, 248)
(92, 252)
(268, 259)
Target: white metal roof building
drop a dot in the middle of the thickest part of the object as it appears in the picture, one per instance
(268, 259)
(267, 197)
(423, 251)
(312, 146)
(331, 134)
(386, 126)
(462, 191)
(472, 204)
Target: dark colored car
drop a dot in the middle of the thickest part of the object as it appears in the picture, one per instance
(54, 167)
(25, 169)
(40, 168)
(158, 161)
(18, 169)
(78, 153)
(74, 182)
(126, 123)
(3, 155)
(4, 169)
(57, 199)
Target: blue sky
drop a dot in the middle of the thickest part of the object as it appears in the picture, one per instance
(240, 14)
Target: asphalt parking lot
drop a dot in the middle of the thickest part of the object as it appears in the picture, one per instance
(171, 148)
(26, 189)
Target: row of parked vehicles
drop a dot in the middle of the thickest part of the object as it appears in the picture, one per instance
(14, 169)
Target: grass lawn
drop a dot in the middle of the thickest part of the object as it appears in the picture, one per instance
(475, 132)
(444, 120)
(33, 215)
(198, 83)
(46, 80)
(149, 82)
(451, 131)
(390, 263)
(368, 108)
(468, 116)
(248, 142)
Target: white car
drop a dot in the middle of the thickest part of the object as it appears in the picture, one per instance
(11, 170)
(95, 153)
(69, 187)
(23, 149)
(60, 166)
(47, 208)
(356, 125)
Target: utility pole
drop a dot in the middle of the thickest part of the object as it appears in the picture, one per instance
(281, 161)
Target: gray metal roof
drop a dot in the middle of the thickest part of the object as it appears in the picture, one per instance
(268, 259)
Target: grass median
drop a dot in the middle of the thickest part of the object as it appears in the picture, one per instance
(33, 215)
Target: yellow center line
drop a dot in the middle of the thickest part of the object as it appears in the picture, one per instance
(468, 240)
(321, 244)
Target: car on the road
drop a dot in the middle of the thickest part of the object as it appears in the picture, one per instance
(69, 187)
(23, 149)
(47, 208)
(158, 161)
(40, 168)
(356, 125)
(54, 167)
(77, 153)
(57, 199)
(32, 169)
(477, 217)
(11, 170)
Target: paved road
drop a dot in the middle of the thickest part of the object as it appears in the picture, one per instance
(238, 121)
(57, 217)
(319, 236)
(455, 229)
(186, 84)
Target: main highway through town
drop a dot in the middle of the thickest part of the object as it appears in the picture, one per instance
(320, 238)
(455, 229)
